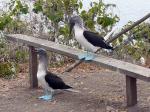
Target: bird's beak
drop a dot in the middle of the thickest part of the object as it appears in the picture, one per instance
(36, 50)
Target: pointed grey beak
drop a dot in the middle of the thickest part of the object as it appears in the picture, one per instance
(38, 50)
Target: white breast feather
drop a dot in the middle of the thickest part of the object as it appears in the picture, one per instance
(41, 79)
(81, 39)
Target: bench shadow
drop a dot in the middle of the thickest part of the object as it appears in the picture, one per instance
(97, 103)
(88, 101)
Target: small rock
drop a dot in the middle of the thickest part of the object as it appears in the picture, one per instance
(148, 99)
(92, 91)
(71, 111)
(35, 105)
(81, 83)
(76, 84)
(85, 88)
(110, 109)
(76, 77)
(84, 76)
(54, 102)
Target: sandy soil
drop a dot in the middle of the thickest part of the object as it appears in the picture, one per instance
(100, 91)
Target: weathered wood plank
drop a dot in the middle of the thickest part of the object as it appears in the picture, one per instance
(33, 67)
(131, 91)
(106, 62)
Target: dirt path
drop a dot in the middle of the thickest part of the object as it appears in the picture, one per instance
(101, 91)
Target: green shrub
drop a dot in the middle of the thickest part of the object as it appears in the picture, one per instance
(21, 56)
(8, 69)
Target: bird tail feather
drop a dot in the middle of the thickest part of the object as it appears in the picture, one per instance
(72, 90)
(110, 34)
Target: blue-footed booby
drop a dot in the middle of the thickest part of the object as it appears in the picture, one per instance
(90, 40)
(49, 81)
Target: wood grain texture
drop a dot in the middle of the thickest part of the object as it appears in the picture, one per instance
(131, 91)
(33, 67)
(126, 68)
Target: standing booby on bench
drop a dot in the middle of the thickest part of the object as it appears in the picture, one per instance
(90, 40)
(48, 80)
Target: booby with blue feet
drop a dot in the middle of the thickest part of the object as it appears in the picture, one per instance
(49, 81)
(90, 40)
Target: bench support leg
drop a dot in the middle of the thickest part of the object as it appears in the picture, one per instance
(131, 91)
(33, 67)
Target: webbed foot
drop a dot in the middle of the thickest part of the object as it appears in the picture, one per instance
(46, 97)
(86, 56)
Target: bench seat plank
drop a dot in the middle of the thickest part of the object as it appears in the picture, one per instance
(126, 68)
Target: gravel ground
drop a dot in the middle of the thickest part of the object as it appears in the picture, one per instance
(101, 90)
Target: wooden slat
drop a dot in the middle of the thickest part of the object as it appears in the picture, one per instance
(110, 63)
(131, 91)
(33, 67)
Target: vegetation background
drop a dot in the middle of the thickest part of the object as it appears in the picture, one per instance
(48, 19)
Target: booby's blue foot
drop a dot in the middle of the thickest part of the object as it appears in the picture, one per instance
(86, 56)
(46, 97)
(82, 56)
(89, 57)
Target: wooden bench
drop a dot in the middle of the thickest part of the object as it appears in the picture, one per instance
(131, 71)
